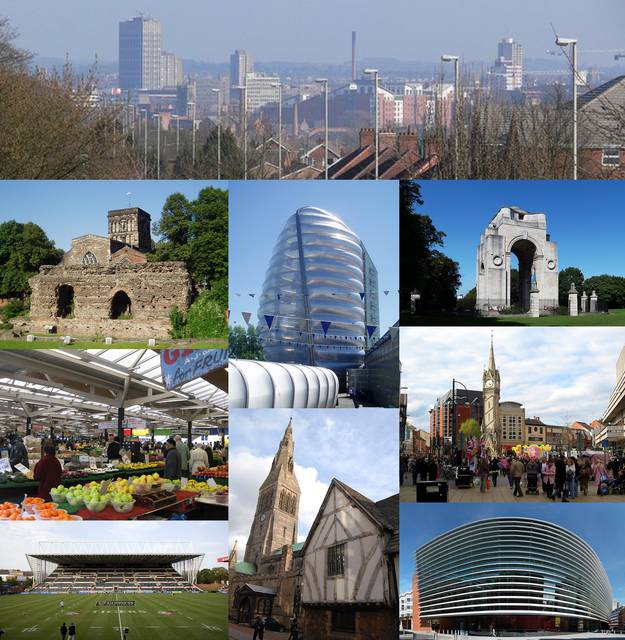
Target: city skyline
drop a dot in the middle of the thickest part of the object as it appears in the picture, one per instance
(559, 374)
(528, 23)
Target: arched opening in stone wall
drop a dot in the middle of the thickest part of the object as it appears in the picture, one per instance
(524, 250)
(120, 306)
(64, 301)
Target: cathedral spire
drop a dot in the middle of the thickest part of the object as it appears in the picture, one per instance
(491, 356)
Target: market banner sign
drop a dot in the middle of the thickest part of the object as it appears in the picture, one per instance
(162, 432)
(179, 366)
(138, 423)
(109, 424)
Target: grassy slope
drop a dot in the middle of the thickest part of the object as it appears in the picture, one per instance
(616, 318)
(192, 617)
(53, 344)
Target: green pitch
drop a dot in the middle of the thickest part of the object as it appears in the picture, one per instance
(192, 616)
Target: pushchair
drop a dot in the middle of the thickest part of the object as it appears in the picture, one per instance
(603, 488)
(532, 484)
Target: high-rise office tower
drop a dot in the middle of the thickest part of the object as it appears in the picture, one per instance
(171, 70)
(241, 63)
(319, 304)
(508, 70)
(140, 53)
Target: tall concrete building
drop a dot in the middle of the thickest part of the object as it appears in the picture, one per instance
(140, 53)
(507, 73)
(241, 63)
(171, 70)
(261, 90)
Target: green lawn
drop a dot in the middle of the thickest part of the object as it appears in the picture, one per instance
(58, 344)
(192, 616)
(615, 318)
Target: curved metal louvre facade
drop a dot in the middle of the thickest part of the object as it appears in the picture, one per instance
(316, 273)
(268, 385)
(505, 566)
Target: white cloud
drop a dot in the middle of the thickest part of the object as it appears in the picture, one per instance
(559, 374)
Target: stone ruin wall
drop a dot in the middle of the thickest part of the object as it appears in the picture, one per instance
(153, 288)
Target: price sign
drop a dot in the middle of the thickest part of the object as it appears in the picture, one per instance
(92, 463)
(147, 458)
(211, 483)
(20, 467)
(104, 486)
(5, 465)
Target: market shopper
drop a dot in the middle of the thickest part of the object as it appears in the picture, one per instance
(63, 631)
(198, 458)
(113, 451)
(18, 453)
(494, 471)
(548, 474)
(172, 460)
(48, 472)
(585, 473)
(72, 632)
(571, 478)
(560, 480)
(483, 470)
(183, 450)
(517, 469)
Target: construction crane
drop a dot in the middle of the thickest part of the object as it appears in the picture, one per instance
(617, 53)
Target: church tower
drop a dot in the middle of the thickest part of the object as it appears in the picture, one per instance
(130, 228)
(275, 520)
(491, 386)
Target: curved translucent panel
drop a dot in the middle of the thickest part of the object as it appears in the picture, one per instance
(264, 385)
(316, 274)
(511, 566)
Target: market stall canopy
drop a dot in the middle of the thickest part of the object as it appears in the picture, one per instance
(74, 389)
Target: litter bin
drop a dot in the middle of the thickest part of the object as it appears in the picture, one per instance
(464, 478)
(432, 491)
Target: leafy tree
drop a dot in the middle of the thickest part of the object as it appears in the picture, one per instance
(206, 318)
(565, 278)
(467, 302)
(210, 576)
(245, 343)
(12, 58)
(24, 247)
(609, 289)
(470, 428)
(196, 233)
(423, 267)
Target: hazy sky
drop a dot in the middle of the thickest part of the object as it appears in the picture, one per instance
(320, 30)
(463, 209)
(558, 374)
(358, 447)
(420, 523)
(21, 538)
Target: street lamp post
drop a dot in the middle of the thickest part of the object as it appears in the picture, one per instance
(158, 145)
(218, 92)
(572, 42)
(278, 86)
(145, 144)
(456, 61)
(192, 104)
(177, 119)
(375, 74)
(324, 82)
(243, 89)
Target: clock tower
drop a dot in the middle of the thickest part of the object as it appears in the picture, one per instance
(491, 386)
(275, 519)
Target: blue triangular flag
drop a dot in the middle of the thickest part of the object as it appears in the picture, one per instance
(370, 328)
(386, 292)
(325, 325)
(269, 321)
(362, 295)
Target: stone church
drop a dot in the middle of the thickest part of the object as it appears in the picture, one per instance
(342, 580)
(105, 286)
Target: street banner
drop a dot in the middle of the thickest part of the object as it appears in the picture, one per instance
(179, 366)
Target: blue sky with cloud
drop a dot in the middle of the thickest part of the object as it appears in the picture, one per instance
(558, 374)
(358, 447)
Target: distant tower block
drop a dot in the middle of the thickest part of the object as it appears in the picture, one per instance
(129, 228)
(515, 232)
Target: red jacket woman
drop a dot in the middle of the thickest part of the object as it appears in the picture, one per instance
(48, 471)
